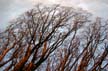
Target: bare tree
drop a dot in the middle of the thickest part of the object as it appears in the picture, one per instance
(33, 37)
(54, 38)
(85, 51)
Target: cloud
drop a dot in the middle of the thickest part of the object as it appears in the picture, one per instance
(97, 7)
(4, 11)
(11, 8)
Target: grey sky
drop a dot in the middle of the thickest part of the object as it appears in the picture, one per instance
(10, 9)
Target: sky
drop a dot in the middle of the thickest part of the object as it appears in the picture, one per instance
(10, 9)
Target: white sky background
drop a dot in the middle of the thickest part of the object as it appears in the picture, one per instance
(10, 9)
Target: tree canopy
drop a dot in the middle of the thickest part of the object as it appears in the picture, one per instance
(54, 38)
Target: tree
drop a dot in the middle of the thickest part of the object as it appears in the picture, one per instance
(50, 38)
(82, 52)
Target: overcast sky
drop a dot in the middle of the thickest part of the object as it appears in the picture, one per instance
(10, 9)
